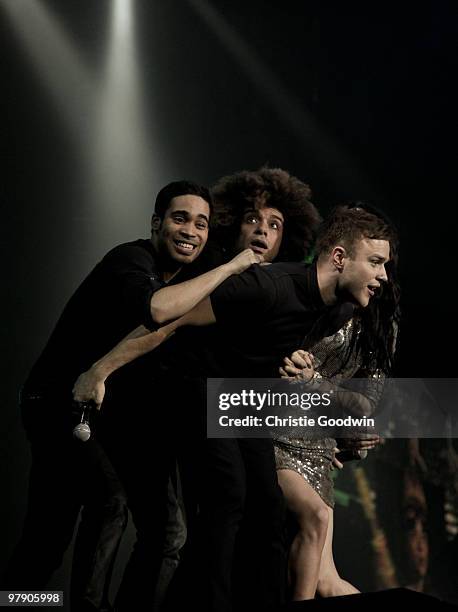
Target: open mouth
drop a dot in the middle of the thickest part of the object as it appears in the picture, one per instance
(372, 289)
(258, 246)
(185, 247)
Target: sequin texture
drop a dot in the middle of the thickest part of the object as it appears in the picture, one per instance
(312, 458)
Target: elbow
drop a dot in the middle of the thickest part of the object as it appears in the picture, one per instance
(367, 408)
(159, 315)
(361, 406)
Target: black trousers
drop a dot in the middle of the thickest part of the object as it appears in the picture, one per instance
(67, 475)
(235, 556)
(135, 432)
(244, 514)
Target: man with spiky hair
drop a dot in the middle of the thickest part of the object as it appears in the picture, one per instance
(263, 314)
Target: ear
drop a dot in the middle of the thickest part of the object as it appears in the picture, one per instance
(338, 257)
(155, 222)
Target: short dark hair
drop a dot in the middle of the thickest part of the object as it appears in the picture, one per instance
(271, 187)
(349, 223)
(179, 188)
(380, 320)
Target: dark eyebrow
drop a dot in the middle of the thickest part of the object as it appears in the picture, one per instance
(380, 257)
(185, 213)
(253, 210)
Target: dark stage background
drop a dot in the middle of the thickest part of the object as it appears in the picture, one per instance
(105, 102)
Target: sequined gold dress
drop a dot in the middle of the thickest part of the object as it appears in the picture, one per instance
(312, 458)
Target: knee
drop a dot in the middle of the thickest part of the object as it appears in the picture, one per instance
(176, 531)
(325, 586)
(112, 508)
(314, 524)
(116, 507)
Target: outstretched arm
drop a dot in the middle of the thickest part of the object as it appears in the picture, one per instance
(167, 304)
(90, 385)
(174, 301)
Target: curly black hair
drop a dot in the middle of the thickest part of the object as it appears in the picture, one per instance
(272, 187)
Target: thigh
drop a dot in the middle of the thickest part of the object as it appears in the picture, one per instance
(54, 496)
(301, 499)
(99, 480)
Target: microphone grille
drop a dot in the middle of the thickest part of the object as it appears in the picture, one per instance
(82, 432)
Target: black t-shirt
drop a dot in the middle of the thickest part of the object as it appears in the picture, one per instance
(266, 313)
(263, 315)
(112, 301)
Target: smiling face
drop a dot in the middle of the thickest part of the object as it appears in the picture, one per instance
(361, 274)
(262, 231)
(183, 232)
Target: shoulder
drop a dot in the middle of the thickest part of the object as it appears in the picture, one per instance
(136, 257)
(287, 269)
(141, 249)
(286, 276)
(254, 286)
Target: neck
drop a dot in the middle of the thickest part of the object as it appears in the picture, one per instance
(327, 283)
(167, 267)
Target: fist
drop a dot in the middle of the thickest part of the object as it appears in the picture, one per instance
(244, 260)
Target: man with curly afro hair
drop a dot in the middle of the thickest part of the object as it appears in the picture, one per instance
(267, 210)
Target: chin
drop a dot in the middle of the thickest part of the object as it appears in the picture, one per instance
(363, 301)
(183, 259)
(187, 260)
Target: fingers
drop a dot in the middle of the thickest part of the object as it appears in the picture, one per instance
(335, 462)
(303, 359)
(293, 371)
(244, 260)
(251, 257)
(299, 365)
(363, 442)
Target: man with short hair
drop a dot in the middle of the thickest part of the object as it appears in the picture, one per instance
(127, 289)
(262, 315)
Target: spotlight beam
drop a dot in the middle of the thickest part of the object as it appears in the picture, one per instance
(57, 62)
(122, 163)
(289, 108)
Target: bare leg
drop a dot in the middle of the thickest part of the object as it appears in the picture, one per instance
(312, 516)
(330, 584)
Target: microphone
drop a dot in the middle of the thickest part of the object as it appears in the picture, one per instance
(82, 431)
